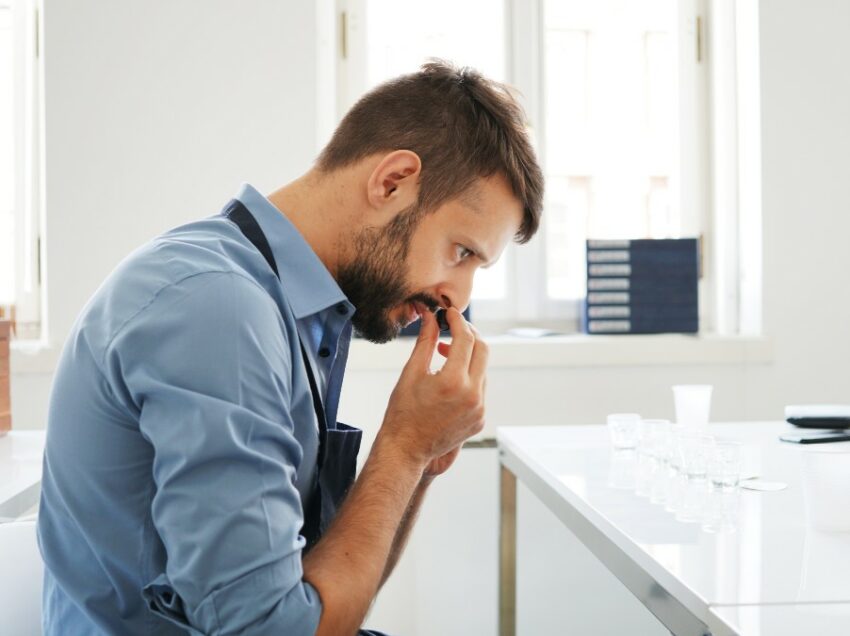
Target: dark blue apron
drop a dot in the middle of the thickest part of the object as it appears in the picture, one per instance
(338, 445)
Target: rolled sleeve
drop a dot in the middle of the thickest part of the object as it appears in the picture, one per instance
(210, 377)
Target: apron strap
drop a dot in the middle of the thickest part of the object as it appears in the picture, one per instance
(246, 222)
(343, 442)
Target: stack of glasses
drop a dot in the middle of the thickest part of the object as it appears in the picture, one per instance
(692, 474)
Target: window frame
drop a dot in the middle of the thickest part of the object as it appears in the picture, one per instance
(26, 310)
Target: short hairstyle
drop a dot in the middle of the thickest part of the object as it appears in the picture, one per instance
(462, 125)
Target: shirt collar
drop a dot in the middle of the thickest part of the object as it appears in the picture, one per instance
(309, 286)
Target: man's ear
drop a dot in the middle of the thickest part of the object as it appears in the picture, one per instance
(394, 183)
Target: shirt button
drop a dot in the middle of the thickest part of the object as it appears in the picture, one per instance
(324, 352)
(341, 309)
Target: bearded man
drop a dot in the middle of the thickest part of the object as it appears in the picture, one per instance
(196, 478)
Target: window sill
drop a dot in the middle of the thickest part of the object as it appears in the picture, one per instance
(33, 357)
(580, 350)
(512, 352)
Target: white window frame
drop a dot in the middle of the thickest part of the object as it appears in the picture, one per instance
(28, 211)
(710, 140)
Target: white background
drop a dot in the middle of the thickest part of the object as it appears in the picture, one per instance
(155, 111)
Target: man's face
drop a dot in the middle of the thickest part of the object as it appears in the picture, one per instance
(419, 262)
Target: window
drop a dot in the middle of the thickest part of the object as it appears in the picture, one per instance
(613, 91)
(611, 106)
(20, 293)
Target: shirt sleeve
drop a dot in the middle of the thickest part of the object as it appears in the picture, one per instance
(207, 363)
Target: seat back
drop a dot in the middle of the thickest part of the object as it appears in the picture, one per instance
(21, 570)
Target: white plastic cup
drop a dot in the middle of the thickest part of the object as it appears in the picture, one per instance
(693, 403)
(826, 487)
(624, 430)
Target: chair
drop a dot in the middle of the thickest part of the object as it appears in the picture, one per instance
(21, 571)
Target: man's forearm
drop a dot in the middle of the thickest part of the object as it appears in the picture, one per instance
(347, 565)
(404, 528)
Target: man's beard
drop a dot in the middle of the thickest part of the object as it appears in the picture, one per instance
(375, 278)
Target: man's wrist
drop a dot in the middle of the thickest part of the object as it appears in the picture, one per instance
(389, 449)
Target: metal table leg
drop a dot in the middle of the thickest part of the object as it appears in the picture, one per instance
(507, 554)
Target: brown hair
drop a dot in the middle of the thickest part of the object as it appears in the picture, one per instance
(462, 125)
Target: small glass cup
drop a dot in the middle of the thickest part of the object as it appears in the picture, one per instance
(693, 403)
(723, 464)
(622, 471)
(721, 511)
(693, 448)
(692, 505)
(656, 436)
(624, 429)
(659, 434)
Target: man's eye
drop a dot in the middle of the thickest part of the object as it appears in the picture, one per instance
(463, 252)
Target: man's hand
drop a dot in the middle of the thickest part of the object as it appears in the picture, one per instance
(428, 418)
(439, 465)
(430, 415)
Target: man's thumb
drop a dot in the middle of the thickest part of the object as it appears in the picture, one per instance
(423, 351)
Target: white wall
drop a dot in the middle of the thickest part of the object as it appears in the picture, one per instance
(154, 114)
(156, 111)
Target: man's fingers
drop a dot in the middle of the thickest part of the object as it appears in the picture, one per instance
(478, 362)
(423, 351)
(463, 341)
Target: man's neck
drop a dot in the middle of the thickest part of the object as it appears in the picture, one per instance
(315, 204)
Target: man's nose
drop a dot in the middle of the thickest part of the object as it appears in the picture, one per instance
(456, 292)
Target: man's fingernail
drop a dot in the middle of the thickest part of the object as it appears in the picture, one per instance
(442, 321)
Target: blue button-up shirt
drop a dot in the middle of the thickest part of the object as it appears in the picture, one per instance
(182, 440)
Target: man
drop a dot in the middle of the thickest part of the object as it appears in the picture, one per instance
(195, 472)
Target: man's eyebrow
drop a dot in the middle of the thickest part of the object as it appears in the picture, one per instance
(470, 244)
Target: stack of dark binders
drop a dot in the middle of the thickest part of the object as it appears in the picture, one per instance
(642, 286)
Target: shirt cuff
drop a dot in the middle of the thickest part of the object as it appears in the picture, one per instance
(256, 604)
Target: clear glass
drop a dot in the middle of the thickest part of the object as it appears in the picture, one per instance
(724, 464)
(610, 129)
(622, 472)
(693, 404)
(693, 500)
(676, 478)
(657, 434)
(656, 445)
(624, 429)
(677, 484)
(644, 473)
(721, 511)
(693, 449)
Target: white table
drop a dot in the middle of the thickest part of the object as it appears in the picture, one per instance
(766, 565)
(20, 472)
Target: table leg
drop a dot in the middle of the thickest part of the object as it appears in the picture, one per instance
(507, 554)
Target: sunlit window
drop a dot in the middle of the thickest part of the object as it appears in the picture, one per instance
(7, 163)
(20, 284)
(610, 122)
